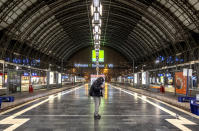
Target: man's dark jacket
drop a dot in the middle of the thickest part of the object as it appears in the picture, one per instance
(96, 89)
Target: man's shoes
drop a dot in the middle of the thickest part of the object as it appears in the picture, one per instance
(97, 116)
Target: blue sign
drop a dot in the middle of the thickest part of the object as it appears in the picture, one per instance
(130, 77)
(26, 74)
(64, 77)
(168, 74)
(160, 75)
(34, 74)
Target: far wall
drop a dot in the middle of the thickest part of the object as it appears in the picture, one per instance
(84, 56)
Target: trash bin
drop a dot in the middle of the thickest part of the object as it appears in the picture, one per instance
(7, 99)
(185, 99)
(194, 107)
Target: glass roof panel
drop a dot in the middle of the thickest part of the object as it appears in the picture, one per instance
(15, 9)
(182, 13)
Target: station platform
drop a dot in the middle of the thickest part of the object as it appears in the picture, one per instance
(23, 97)
(121, 110)
(167, 97)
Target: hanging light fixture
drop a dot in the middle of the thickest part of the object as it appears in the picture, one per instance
(96, 12)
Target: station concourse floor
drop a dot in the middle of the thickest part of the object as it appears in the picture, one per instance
(121, 110)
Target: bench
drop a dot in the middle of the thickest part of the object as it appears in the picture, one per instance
(155, 88)
(194, 107)
(7, 98)
(185, 99)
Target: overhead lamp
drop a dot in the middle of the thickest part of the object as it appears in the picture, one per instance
(96, 37)
(97, 47)
(97, 43)
(100, 31)
(96, 17)
(93, 24)
(92, 10)
(96, 11)
(96, 28)
(100, 22)
(96, 3)
(100, 9)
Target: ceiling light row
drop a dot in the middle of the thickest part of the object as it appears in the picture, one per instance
(96, 12)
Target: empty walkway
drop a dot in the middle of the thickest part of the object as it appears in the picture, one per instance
(72, 110)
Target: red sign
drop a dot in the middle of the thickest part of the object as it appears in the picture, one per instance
(180, 83)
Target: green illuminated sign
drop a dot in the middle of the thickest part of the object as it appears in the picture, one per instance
(101, 56)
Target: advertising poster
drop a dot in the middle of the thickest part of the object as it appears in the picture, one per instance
(144, 78)
(25, 82)
(135, 78)
(59, 78)
(51, 80)
(180, 83)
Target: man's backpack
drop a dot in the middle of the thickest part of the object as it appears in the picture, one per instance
(91, 90)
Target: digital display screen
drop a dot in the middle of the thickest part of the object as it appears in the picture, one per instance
(101, 56)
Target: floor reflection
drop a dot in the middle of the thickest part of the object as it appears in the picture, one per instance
(96, 125)
(86, 89)
(75, 111)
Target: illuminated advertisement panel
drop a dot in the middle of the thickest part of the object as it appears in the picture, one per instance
(51, 80)
(101, 56)
(135, 78)
(144, 78)
(180, 83)
(59, 78)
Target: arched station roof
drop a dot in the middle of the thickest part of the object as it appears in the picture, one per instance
(138, 29)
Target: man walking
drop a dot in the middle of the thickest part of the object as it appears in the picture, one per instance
(96, 93)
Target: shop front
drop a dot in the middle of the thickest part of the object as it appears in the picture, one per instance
(38, 80)
(25, 81)
(14, 81)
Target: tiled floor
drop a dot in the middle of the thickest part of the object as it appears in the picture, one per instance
(73, 111)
